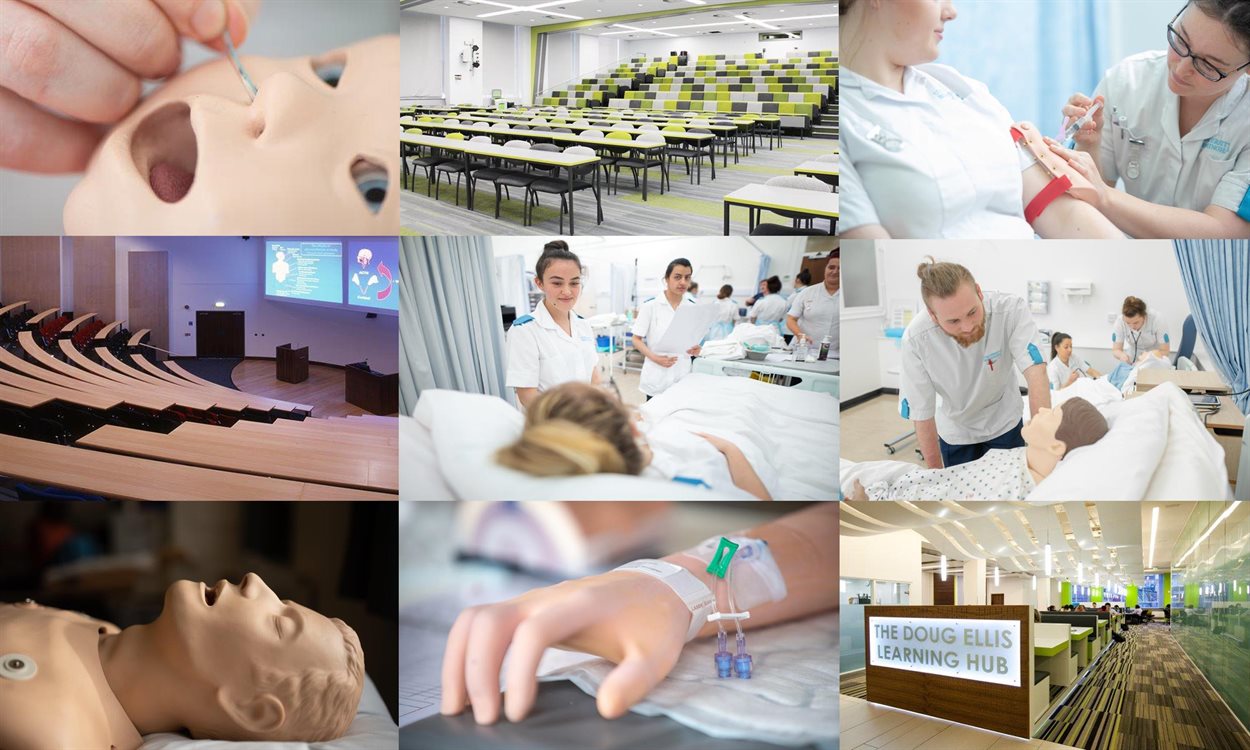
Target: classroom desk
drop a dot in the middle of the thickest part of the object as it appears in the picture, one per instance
(1085, 649)
(23, 398)
(14, 306)
(107, 330)
(129, 478)
(39, 318)
(1052, 651)
(551, 159)
(58, 392)
(1104, 634)
(74, 378)
(233, 401)
(825, 171)
(180, 371)
(696, 138)
(290, 430)
(229, 452)
(759, 197)
(70, 326)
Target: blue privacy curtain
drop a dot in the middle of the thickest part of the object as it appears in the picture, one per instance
(451, 331)
(1033, 54)
(1216, 275)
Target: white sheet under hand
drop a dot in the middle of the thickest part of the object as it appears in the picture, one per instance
(791, 698)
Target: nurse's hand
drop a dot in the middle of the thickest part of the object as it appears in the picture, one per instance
(664, 360)
(1072, 378)
(68, 67)
(1085, 166)
(626, 617)
(1088, 138)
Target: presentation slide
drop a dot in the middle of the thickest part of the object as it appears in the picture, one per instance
(373, 274)
(300, 271)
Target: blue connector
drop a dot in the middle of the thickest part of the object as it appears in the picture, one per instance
(724, 659)
(742, 662)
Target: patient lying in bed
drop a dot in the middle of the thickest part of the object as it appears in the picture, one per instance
(577, 428)
(1001, 474)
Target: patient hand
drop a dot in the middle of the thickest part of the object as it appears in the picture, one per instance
(858, 492)
(628, 618)
(88, 61)
(1085, 166)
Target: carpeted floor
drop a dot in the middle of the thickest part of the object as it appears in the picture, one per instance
(213, 370)
(1146, 694)
(686, 209)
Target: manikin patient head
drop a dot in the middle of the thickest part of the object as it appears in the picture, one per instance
(1054, 433)
(576, 428)
(273, 670)
(954, 300)
(313, 154)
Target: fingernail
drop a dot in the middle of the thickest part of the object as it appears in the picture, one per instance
(209, 20)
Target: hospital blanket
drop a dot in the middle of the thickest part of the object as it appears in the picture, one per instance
(791, 698)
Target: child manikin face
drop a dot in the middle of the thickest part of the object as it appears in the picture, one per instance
(313, 154)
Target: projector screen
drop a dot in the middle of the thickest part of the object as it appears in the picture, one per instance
(304, 271)
(373, 274)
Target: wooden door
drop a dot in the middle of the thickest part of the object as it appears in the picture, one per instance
(943, 591)
(219, 333)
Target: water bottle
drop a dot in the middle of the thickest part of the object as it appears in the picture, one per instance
(800, 348)
(824, 348)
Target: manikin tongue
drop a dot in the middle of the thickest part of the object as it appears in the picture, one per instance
(170, 182)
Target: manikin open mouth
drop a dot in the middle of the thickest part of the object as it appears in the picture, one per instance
(165, 152)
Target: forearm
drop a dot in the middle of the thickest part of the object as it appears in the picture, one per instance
(804, 546)
(927, 439)
(1145, 220)
(1070, 218)
(866, 232)
(642, 347)
(1119, 354)
(1039, 388)
(792, 324)
(744, 476)
(526, 395)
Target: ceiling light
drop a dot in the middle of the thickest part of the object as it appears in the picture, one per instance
(943, 568)
(509, 8)
(1047, 562)
(697, 2)
(995, 575)
(1154, 528)
(1035, 583)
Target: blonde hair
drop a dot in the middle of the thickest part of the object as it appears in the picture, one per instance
(942, 280)
(572, 429)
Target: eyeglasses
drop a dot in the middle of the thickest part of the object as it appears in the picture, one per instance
(1205, 67)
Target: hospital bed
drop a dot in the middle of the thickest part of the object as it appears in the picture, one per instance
(447, 447)
(822, 377)
(1157, 449)
(372, 729)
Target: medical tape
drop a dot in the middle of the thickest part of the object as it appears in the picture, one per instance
(755, 578)
(695, 594)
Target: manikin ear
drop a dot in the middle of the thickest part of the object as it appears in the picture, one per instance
(259, 715)
(1056, 448)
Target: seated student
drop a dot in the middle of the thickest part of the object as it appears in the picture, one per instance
(1066, 368)
(726, 314)
(577, 428)
(1009, 474)
(227, 662)
(1051, 608)
(771, 310)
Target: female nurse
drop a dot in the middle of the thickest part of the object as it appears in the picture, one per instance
(1066, 368)
(1175, 128)
(554, 344)
(930, 153)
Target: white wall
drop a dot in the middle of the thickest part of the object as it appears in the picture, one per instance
(894, 556)
(421, 56)
(1144, 268)
(465, 83)
(1136, 25)
(824, 37)
(717, 260)
(561, 59)
(204, 270)
(506, 60)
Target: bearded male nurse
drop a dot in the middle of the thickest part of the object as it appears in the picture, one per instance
(967, 350)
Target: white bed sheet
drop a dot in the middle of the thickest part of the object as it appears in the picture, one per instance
(1157, 449)
(372, 729)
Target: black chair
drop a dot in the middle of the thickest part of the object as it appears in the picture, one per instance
(504, 177)
(426, 163)
(644, 160)
(557, 186)
(772, 230)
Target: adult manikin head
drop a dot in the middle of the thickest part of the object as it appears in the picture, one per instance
(954, 300)
(248, 665)
(1054, 433)
(313, 154)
